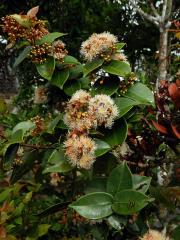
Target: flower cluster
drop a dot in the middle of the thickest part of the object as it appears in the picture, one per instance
(58, 50)
(80, 149)
(154, 235)
(99, 45)
(104, 110)
(40, 95)
(83, 113)
(29, 28)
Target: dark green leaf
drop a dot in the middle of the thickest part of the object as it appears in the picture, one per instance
(71, 87)
(117, 135)
(102, 147)
(54, 123)
(50, 37)
(176, 233)
(119, 179)
(76, 72)
(46, 69)
(125, 105)
(10, 153)
(53, 209)
(94, 205)
(22, 56)
(140, 93)
(128, 202)
(117, 68)
(59, 78)
(141, 183)
(91, 66)
(108, 86)
(43, 229)
(96, 185)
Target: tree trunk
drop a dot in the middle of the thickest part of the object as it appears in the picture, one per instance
(163, 53)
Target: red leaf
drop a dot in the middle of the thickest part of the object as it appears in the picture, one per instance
(174, 93)
(175, 131)
(160, 127)
(33, 12)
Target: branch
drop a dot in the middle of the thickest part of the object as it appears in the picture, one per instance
(154, 20)
(164, 10)
(168, 9)
(154, 10)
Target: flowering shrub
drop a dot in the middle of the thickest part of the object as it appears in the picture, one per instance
(84, 169)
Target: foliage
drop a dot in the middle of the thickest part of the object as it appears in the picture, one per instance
(85, 166)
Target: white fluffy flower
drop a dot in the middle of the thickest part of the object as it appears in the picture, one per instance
(77, 114)
(80, 150)
(104, 110)
(154, 235)
(98, 44)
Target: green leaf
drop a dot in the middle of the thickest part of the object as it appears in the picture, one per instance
(70, 60)
(50, 37)
(43, 229)
(176, 233)
(108, 86)
(98, 184)
(75, 72)
(22, 20)
(46, 69)
(59, 78)
(128, 202)
(58, 163)
(3, 106)
(117, 222)
(71, 87)
(119, 179)
(17, 136)
(54, 123)
(117, 135)
(4, 195)
(140, 93)
(124, 105)
(10, 153)
(24, 126)
(53, 209)
(119, 46)
(101, 147)
(141, 183)
(119, 68)
(94, 205)
(91, 66)
(22, 56)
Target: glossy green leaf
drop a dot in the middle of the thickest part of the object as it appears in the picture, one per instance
(98, 184)
(70, 60)
(22, 56)
(46, 69)
(119, 179)
(71, 87)
(141, 183)
(50, 37)
(58, 162)
(119, 68)
(108, 86)
(128, 202)
(24, 126)
(119, 46)
(59, 78)
(117, 222)
(53, 209)
(124, 105)
(117, 135)
(91, 66)
(101, 147)
(10, 153)
(17, 136)
(140, 93)
(76, 72)
(94, 205)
